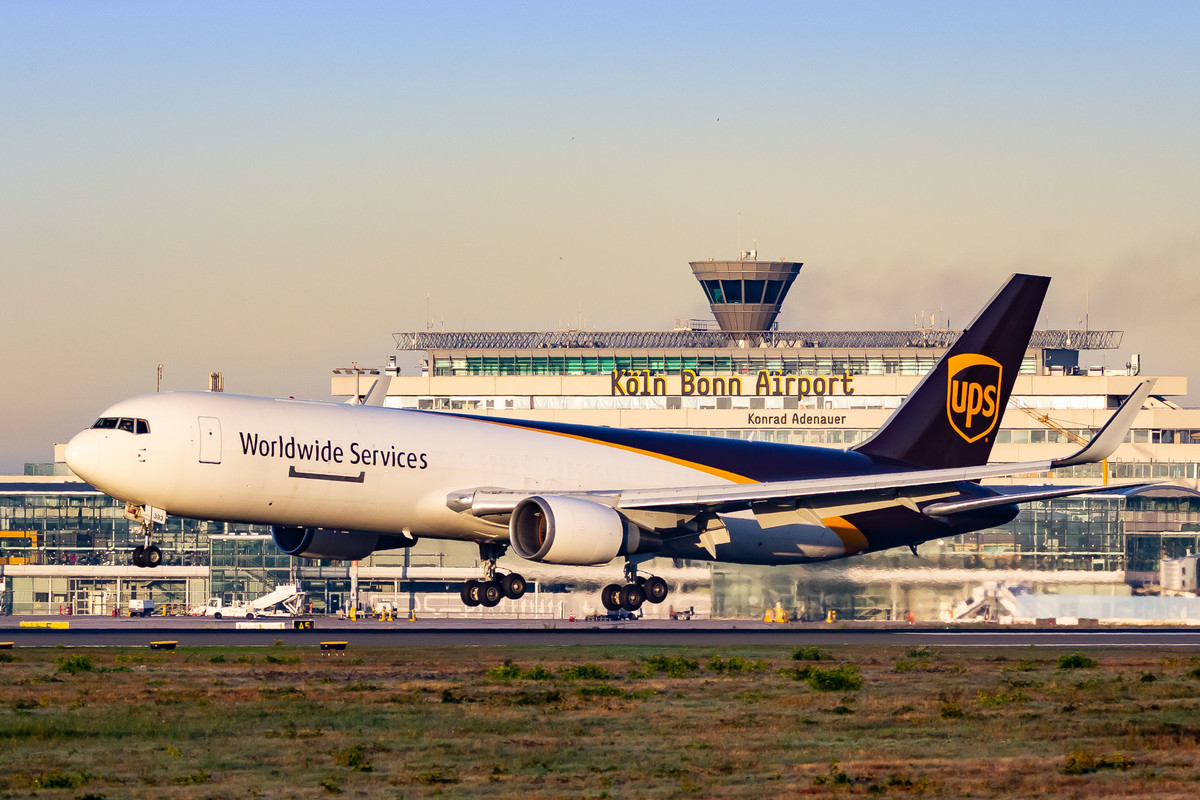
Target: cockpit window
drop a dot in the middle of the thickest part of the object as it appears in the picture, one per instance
(134, 426)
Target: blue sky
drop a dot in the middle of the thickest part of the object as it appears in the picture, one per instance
(272, 189)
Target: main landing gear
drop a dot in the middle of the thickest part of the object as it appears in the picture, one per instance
(637, 590)
(495, 586)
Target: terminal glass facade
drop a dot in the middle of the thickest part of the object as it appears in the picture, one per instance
(81, 526)
(1120, 539)
(245, 567)
(711, 364)
(69, 539)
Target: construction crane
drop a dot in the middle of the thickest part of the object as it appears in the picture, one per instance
(1070, 434)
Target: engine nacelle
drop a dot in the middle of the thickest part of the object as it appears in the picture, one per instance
(334, 544)
(569, 530)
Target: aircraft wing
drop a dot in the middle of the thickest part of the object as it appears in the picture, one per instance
(724, 497)
(485, 502)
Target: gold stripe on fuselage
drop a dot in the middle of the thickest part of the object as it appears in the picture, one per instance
(852, 538)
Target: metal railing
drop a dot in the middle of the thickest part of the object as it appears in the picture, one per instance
(939, 338)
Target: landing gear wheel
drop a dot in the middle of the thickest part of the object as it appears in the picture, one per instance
(490, 594)
(610, 596)
(471, 594)
(632, 597)
(656, 589)
(513, 586)
(152, 556)
(139, 556)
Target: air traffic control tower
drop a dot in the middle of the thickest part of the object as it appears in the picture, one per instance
(746, 295)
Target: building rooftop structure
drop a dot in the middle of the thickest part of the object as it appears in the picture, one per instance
(745, 296)
(917, 338)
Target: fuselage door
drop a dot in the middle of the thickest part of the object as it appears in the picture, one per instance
(210, 440)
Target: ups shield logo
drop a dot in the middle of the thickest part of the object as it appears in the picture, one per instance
(972, 395)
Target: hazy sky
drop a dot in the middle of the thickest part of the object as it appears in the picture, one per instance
(272, 189)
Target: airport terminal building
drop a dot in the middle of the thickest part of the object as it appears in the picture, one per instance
(736, 376)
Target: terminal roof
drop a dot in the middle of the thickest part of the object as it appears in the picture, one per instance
(939, 338)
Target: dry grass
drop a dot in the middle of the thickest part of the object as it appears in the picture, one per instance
(596, 722)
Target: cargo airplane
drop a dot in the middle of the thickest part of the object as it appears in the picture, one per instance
(341, 481)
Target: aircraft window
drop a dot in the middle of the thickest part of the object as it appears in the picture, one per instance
(106, 422)
(142, 426)
(125, 424)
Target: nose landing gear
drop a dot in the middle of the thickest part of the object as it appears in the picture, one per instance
(494, 587)
(146, 554)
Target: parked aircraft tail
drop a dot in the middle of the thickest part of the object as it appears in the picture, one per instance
(951, 418)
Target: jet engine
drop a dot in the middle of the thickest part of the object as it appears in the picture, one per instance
(569, 530)
(334, 544)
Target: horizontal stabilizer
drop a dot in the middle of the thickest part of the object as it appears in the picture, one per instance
(952, 507)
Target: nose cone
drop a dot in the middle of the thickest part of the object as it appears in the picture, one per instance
(83, 454)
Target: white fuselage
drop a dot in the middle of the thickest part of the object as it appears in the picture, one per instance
(290, 462)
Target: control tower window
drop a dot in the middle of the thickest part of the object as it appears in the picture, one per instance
(733, 291)
(771, 294)
(713, 290)
(754, 291)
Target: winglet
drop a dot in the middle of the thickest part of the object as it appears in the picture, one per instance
(1109, 438)
(379, 392)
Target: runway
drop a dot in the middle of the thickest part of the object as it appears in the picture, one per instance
(131, 632)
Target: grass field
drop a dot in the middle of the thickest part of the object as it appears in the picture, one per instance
(614, 721)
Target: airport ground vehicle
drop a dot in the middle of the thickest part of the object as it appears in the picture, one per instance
(141, 608)
(217, 609)
(285, 601)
